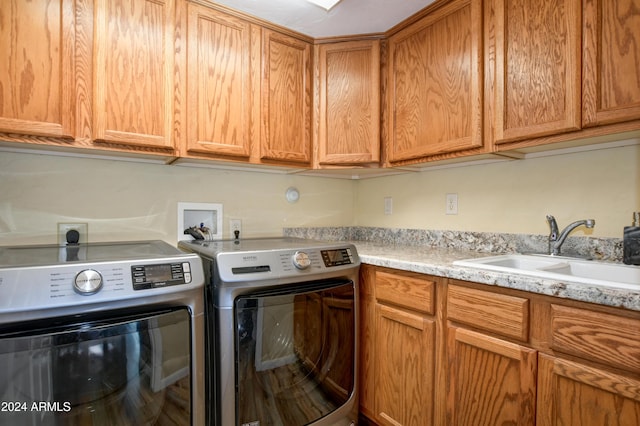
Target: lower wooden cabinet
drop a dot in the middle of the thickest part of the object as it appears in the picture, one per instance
(398, 347)
(572, 393)
(491, 381)
(405, 359)
(485, 355)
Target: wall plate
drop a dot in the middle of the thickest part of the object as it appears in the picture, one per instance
(195, 214)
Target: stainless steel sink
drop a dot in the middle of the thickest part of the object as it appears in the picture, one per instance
(561, 268)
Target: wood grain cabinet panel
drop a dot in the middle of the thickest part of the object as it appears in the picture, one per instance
(397, 347)
(134, 72)
(571, 393)
(497, 313)
(409, 291)
(219, 97)
(435, 83)
(611, 61)
(491, 381)
(538, 71)
(610, 339)
(405, 367)
(286, 98)
(37, 83)
(349, 92)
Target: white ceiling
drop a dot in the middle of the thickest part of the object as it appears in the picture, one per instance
(349, 17)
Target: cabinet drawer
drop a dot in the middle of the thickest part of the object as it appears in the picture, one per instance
(410, 292)
(596, 336)
(497, 313)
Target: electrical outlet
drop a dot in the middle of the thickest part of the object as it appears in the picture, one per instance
(452, 204)
(388, 205)
(235, 225)
(63, 228)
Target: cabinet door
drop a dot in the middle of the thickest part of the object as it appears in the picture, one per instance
(537, 68)
(133, 72)
(576, 394)
(37, 72)
(435, 83)
(611, 61)
(219, 83)
(491, 381)
(405, 359)
(286, 99)
(349, 130)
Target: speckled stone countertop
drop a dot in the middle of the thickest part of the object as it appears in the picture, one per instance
(439, 262)
(437, 259)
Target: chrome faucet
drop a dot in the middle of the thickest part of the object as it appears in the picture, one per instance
(556, 239)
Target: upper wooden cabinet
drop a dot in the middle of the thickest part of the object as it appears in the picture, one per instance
(133, 88)
(37, 84)
(434, 85)
(197, 79)
(537, 71)
(249, 91)
(611, 61)
(349, 97)
(218, 96)
(286, 94)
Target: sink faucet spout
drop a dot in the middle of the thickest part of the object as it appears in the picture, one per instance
(556, 239)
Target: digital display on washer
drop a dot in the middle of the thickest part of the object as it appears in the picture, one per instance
(336, 257)
(160, 275)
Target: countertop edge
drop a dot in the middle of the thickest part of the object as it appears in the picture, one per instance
(439, 262)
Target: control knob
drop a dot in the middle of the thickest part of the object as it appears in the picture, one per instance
(87, 282)
(301, 260)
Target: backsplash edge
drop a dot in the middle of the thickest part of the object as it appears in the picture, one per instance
(609, 249)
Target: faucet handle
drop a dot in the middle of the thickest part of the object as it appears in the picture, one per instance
(553, 225)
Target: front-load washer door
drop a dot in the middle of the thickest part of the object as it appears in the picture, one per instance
(120, 370)
(295, 353)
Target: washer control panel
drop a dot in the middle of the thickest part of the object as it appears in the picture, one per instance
(160, 275)
(265, 264)
(30, 289)
(338, 257)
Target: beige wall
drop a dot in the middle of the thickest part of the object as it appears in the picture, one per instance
(125, 201)
(513, 196)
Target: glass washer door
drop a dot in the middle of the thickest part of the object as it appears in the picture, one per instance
(131, 370)
(295, 353)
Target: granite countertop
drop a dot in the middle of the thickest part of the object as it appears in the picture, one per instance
(439, 262)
